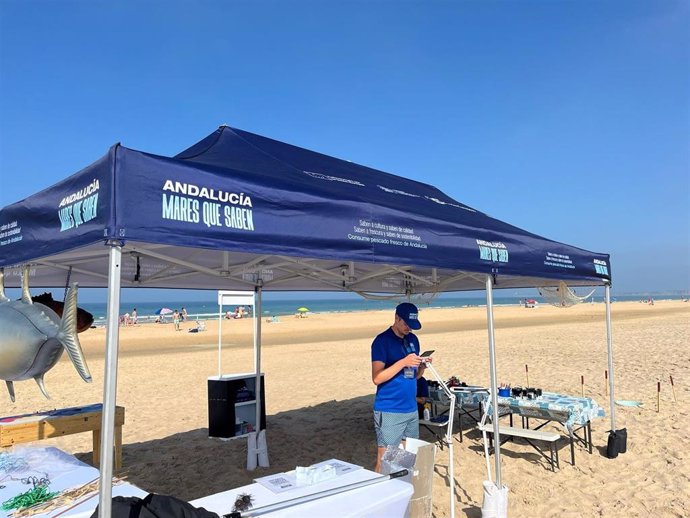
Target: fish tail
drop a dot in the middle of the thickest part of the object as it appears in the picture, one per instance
(67, 335)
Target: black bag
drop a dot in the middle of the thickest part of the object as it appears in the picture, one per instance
(612, 445)
(155, 506)
(618, 443)
(622, 440)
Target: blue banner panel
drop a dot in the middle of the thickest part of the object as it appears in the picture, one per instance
(70, 214)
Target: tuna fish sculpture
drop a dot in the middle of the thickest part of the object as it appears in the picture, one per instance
(32, 337)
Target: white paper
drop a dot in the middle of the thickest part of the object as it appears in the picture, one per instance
(279, 482)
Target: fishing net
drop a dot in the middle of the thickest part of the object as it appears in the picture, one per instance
(423, 299)
(562, 296)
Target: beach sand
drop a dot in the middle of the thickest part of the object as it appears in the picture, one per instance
(319, 396)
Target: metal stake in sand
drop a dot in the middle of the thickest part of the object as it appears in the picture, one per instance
(582, 385)
(673, 388)
(527, 374)
(606, 384)
(658, 396)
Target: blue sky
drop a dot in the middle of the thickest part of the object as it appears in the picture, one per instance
(567, 118)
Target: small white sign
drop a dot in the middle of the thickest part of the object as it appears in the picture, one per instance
(235, 298)
(278, 483)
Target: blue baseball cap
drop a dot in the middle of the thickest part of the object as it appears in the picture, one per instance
(409, 313)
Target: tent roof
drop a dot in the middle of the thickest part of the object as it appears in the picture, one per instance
(237, 206)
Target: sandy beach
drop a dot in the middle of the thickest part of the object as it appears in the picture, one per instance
(319, 396)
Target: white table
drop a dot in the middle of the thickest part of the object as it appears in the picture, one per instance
(388, 499)
(64, 471)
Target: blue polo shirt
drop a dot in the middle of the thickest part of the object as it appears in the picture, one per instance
(398, 393)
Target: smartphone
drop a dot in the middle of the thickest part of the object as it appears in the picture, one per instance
(426, 354)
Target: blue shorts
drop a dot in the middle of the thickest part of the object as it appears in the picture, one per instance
(392, 428)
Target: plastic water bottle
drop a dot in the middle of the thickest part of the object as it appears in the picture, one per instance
(427, 412)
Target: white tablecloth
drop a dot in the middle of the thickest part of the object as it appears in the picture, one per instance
(64, 472)
(388, 499)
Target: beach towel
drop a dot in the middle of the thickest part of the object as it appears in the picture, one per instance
(626, 402)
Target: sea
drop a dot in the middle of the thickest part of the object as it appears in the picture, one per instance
(204, 310)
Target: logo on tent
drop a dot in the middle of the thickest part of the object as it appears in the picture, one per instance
(493, 251)
(601, 267)
(79, 207)
(330, 178)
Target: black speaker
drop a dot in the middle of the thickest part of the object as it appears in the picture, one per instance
(221, 407)
(222, 398)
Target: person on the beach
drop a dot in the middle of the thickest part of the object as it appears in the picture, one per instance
(183, 314)
(134, 317)
(395, 367)
(176, 320)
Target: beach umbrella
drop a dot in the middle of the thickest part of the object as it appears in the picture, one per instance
(164, 311)
(302, 309)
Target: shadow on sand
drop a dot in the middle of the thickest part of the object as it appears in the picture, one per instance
(190, 465)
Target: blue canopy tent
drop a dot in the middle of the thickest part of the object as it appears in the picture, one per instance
(241, 211)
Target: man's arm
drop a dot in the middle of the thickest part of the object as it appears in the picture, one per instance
(380, 373)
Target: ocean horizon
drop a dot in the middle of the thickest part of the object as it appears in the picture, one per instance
(204, 310)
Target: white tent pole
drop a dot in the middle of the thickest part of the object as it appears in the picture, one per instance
(110, 381)
(257, 351)
(609, 340)
(494, 384)
(220, 334)
(449, 433)
(451, 458)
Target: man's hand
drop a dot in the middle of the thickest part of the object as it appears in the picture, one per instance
(411, 360)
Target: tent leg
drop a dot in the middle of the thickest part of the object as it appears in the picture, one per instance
(220, 338)
(110, 381)
(449, 433)
(257, 351)
(451, 462)
(492, 368)
(609, 340)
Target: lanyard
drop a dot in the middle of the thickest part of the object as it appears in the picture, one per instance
(407, 347)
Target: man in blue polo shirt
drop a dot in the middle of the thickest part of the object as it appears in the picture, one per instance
(395, 367)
